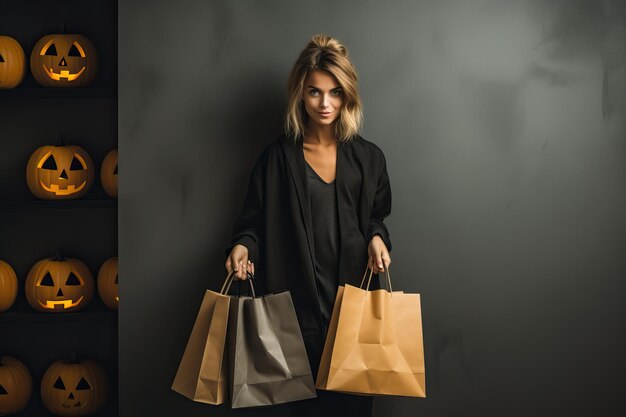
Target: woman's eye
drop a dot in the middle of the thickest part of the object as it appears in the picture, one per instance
(333, 92)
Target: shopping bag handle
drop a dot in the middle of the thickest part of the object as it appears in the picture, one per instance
(254, 283)
(229, 280)
(370, 278)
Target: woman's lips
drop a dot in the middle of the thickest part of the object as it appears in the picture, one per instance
(325, 114)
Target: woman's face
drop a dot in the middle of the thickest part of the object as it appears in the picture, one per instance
(322, 97)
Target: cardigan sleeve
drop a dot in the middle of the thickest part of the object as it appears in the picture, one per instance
(248, 226)
(381, 207)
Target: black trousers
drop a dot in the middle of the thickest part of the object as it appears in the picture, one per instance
(333, 403)
(330, 402)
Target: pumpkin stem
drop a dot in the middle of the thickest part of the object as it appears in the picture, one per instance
(61, 140)
(60, 255)
(74, 357)
(62, 28)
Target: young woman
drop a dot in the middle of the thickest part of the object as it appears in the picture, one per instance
(313, 214)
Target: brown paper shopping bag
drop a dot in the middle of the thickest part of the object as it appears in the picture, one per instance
(374, 343)
(202, 373)
(267, 357)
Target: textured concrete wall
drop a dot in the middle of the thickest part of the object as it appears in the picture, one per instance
(503, 123)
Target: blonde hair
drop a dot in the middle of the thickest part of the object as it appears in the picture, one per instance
(328, 54)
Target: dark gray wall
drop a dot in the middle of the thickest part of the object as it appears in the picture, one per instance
(504, 128)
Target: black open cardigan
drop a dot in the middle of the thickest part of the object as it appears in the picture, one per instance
(275, 223)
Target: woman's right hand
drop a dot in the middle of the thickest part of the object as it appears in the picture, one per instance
(238, 260)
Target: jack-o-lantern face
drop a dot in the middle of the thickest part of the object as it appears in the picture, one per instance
(12, 62)
(74, 389)
(59, 172)
(63, 60)
(8, 286)
(108, 173)
(16, 385)
(107, 283)
(57, 286)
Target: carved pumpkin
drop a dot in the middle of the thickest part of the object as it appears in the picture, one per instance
(16, 385)
(74, 388)
(59, 285)
(59, 172)
(12, 62)
(107, 283)
(108, 173)
(8, 286)
(64, 60)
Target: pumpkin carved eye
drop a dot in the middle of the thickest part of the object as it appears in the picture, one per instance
(50, 163)
(1, 58)
(3, 391)
(76, 165)
(47, 280)
(72, 279)
(116, 278)
(59, 384)
(115, 170)
(51, 50)
(73, 51)
(83, 384)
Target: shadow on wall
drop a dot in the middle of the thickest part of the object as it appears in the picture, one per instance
(584, 27)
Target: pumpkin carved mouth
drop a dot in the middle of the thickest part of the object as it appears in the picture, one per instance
(63, 74)
(65, 303)
(54, 188)
(78, 404)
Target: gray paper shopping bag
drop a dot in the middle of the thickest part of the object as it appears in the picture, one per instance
(267, 358)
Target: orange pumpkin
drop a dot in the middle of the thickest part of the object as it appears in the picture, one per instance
(74, 388)
(107, 283)
(16, 385)
(59, 172)
(108, 173)
(12, 62)
(64, 60)
(8, 286)
(59, 285)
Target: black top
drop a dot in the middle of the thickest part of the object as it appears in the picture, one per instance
(326, 238)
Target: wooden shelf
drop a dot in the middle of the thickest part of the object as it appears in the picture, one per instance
(58, 93)
(33, 317)
(79, 203)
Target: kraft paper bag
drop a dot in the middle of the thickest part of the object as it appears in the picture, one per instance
(267, 355)
(374, 344)
(202, 373)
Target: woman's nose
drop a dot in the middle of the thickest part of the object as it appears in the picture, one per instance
(325, 101)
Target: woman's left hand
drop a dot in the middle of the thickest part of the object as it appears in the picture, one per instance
(378, 255)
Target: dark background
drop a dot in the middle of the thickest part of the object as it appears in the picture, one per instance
(32, 229)
(503, 126)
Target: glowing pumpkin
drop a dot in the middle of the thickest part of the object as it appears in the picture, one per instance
(59, 172)
(59, 285)
(74, 388)
(12, 62)
(16, 385)
(108, 173)
(64, 60)
(8, 286)
(107, 283)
